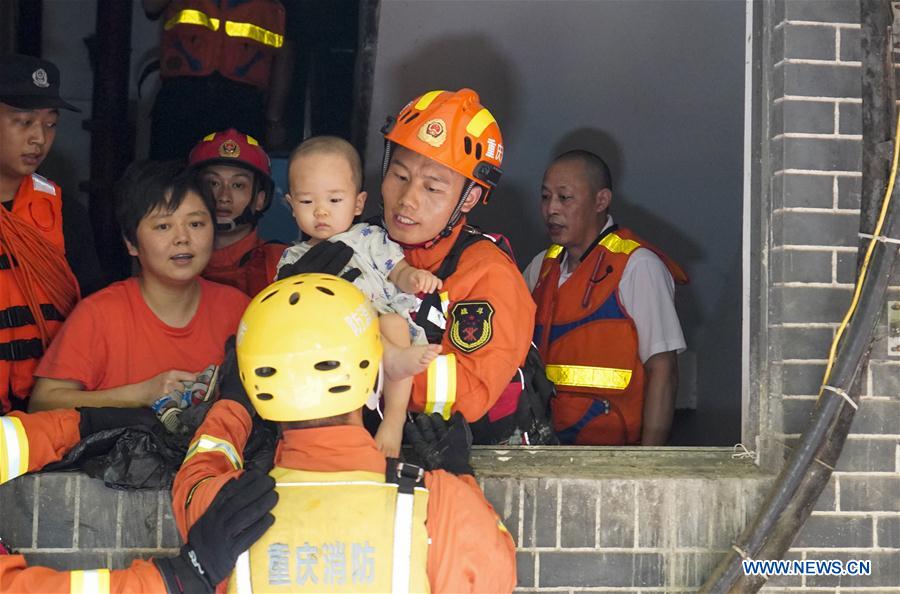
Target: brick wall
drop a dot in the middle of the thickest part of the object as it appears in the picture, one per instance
(813, 178)
(637, 521)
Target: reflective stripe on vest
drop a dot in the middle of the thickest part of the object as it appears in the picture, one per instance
(13, 449)
(441, 392)
(403, 537)
(232, 28)
(254, 32)
(581, 376)
(340, 535)
(192, 17)
(619, 245)
(207, 443)
(95, 581)
(553, 251)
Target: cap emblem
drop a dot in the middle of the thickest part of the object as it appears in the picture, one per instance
(40, 79)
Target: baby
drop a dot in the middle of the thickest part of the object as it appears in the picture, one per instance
(325, 177)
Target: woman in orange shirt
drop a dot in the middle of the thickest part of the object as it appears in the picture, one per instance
(141, 338)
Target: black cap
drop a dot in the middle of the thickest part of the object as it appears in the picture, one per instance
(30, 83)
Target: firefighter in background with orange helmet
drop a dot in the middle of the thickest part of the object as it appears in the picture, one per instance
(442, 156)
(308, 356)
(237, 171)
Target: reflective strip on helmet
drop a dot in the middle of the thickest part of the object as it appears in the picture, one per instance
(95, 581)
(441, 394)
(589, 377)
(251, 140)
(254, 32)
(208, 443)
(13, 449)
(553, 251)
(426, 99)
(619, 245)
(209, 137)
(192, 17)
(482, 120)
(403, 532)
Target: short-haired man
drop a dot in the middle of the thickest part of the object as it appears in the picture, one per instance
(237, 172)
(606, 323)
(442, 156)
(37, 287)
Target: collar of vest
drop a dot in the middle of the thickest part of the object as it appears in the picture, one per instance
(611, 229)
(429, 256)
(330, 449)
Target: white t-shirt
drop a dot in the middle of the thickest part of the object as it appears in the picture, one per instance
(647, 291)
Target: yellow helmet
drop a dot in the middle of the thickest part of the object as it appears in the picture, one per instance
(308, 347)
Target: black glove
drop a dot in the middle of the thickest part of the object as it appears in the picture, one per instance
(440, 444)
(325, 257)
(230, 385)
(99, 419)
(237, 517)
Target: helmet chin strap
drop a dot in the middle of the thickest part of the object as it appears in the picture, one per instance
(225, 225)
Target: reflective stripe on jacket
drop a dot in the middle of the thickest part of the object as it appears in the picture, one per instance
(239, 39)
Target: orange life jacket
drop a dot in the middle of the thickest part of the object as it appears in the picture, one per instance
(590, 344)
(249, 264)
(38, 203)
(239, 39)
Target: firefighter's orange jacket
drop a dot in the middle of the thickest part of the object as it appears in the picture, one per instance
(45, 437)
(470, 549)
(471, 381)
(249, 264)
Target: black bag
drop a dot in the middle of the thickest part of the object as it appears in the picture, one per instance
(148, 457)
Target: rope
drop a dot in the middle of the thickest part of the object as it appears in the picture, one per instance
(880, 238)
(740, 451)
(41, 267)
(843, 395)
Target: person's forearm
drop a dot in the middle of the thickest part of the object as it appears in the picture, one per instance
(661, 384)
(395, 410)
(401, 275)
(130, 396)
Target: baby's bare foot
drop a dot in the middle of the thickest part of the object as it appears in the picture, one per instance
(406, 362)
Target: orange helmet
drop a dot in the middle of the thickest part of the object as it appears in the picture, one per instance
(454, 129)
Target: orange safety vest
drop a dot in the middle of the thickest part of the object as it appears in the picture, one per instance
(590, 343)
(37, 202)
(238, 39)
(249, 264)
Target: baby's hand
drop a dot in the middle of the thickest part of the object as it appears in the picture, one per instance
(425, 282)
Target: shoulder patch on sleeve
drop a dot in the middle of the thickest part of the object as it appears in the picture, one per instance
(42, 184)
(471, 328)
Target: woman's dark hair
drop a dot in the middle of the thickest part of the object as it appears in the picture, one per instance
(147, 186)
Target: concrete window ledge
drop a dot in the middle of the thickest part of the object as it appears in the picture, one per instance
(637, 520)
(579, 462)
